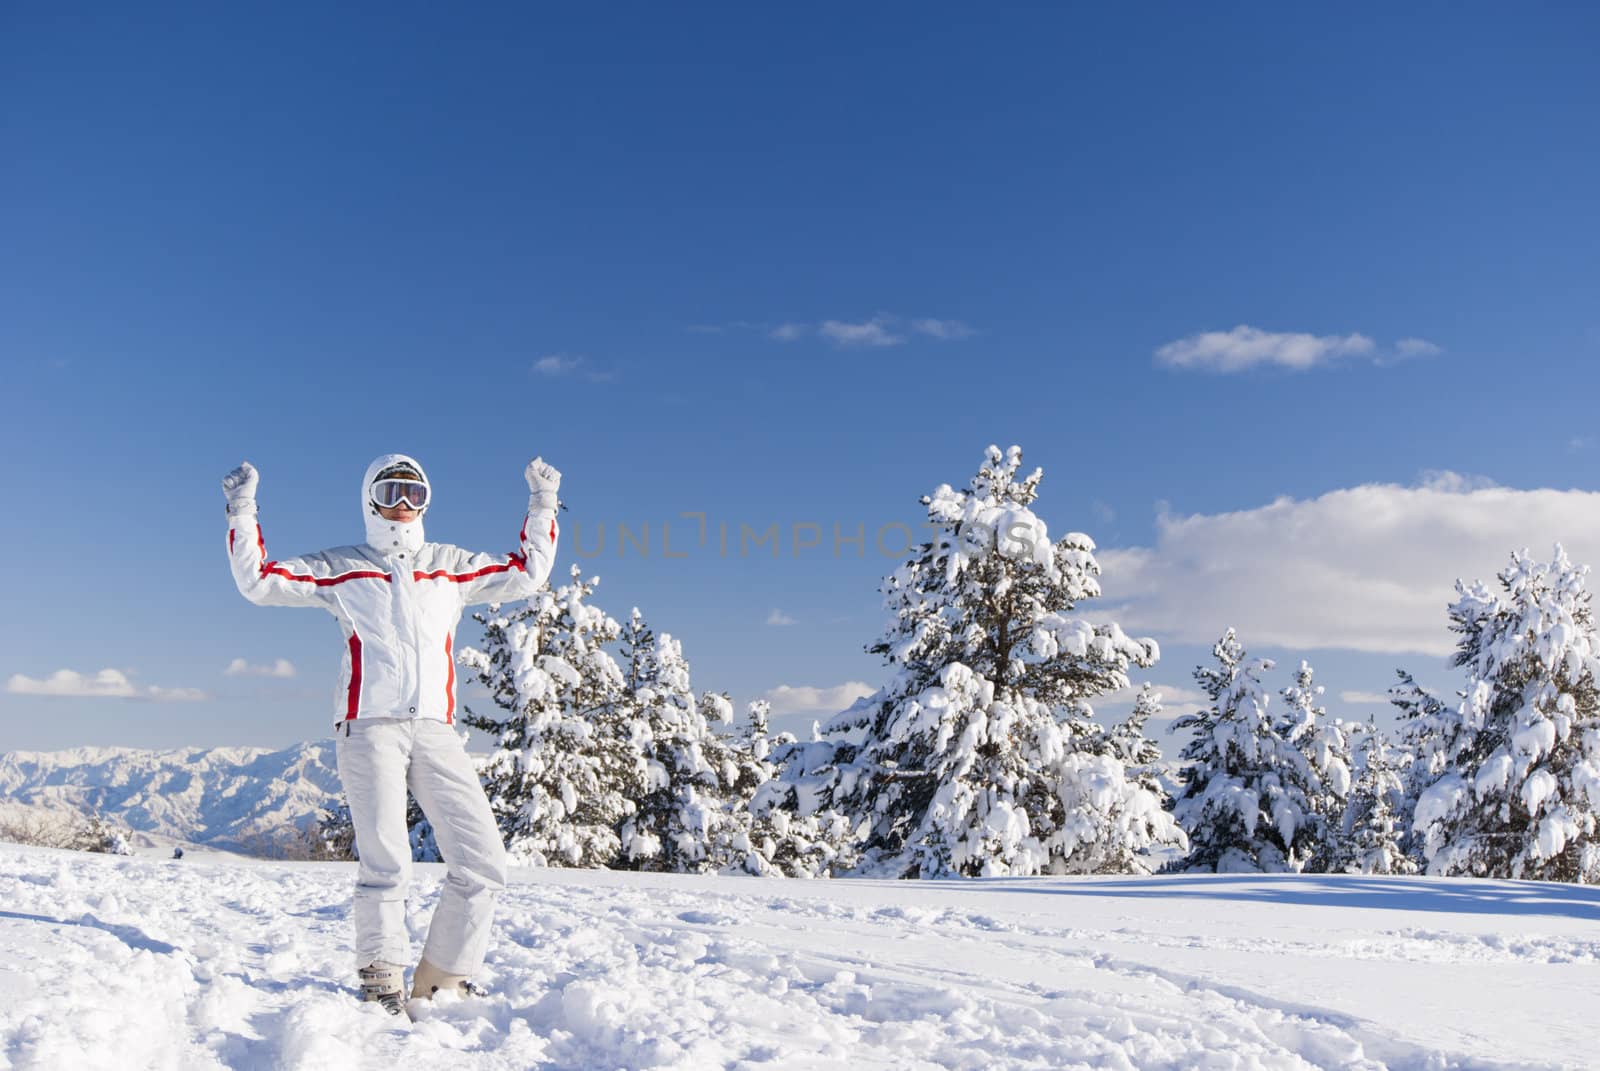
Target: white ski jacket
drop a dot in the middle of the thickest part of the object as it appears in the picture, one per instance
(397, 599)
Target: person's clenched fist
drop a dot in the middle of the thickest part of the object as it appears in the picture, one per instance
(240, 488)
(544, 480)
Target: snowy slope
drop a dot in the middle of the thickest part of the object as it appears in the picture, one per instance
(225, 797)
(128, 963)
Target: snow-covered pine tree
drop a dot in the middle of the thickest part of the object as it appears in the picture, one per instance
(738, 777)
(1242, 801)
(567, 767)
(752, 748)
(103, 836)
(424, 845)
(776, 837)
(333, 835)
(1520, 788)
(1371, 833)
(1428, 736)
(683, 816)
(1324, 779)
(981, 756)
(1127, 739)
(1128, 743)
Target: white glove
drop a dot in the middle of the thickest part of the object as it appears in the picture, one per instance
(240, 487)
(543, 481)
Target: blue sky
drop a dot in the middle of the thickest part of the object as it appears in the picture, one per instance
(618, 238)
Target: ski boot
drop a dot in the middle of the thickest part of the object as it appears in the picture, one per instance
(384, 983)
(428, 981)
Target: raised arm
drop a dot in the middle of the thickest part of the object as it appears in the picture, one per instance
(505, 577)
(289, 582)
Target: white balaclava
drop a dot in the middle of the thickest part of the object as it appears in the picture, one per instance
(392, 537)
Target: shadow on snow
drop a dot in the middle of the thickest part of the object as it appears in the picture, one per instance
(131, 936)
(1471, 896)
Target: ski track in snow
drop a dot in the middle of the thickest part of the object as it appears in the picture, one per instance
(135, 963)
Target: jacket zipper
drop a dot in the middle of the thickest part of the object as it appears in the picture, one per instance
(408, 630)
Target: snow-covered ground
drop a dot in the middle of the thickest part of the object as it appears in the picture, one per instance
(142, 962)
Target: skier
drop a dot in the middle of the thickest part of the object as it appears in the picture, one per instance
(398, 599)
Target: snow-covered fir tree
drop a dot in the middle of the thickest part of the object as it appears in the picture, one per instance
(778, 837)
(752, 749)
(1518, 785)
(424, 845)
(1140, 756)
(1371, 835)
(333, 835)
(981, 756)
(686, 819)
(1324, 779)
(1429, 735)
(1243, 800)
(568, 765)
(104, 836)
(1127, 739)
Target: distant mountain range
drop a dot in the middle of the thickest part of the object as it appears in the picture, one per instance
(243, 799)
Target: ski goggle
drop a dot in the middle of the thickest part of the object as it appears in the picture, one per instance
(387, 494)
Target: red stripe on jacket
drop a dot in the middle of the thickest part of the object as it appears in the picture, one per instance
(523, 535)
(274, 569)
(449, 685)
(353, 703)
(513, 561)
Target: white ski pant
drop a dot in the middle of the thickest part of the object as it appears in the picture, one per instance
(378, 761)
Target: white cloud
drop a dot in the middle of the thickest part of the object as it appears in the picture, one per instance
(778, 617)
(1417, 347)
(1369, 568)
(1246, 347)
(281, 667)
(566, 364)
(803, 699)
(1176, 699)
(174, 695)
(1453, 483)
(557, 364)
(873, 332)
(725, 328)
(883, 329)
(106, 684)
(1179, 695)
(1362, 699)
(946, 330)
